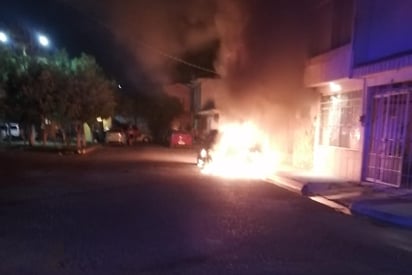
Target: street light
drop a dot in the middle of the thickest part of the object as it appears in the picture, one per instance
(3, 37)
(43, 40)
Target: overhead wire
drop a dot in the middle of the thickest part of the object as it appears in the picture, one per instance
(141, 42)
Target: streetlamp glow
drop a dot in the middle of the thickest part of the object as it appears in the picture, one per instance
(43, 40)
(3, 37)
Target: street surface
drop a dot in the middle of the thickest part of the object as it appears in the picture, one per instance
(148, 210)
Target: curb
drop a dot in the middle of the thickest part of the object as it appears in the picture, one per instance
(332, 204)
(61, 151)
(365, 209)
(302, 189)
(359, 208)
(287, 183)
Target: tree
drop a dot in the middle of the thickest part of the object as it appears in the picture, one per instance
(24, 98)
(62, 68)
(6, 59)
(8, 65)
(89, 95)
(55, 88)
(6, 62)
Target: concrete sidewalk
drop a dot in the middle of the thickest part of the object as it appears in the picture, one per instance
(50, 147)
(380, 203)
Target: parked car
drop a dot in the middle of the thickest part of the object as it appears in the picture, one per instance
(9, 130)
(144, 138)
(180, 139)
(117, 136)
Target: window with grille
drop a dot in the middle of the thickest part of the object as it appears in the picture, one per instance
(339, 123)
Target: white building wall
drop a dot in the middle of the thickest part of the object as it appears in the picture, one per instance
(389, 77)
(331, 66)
(335, 161)
(338, 162)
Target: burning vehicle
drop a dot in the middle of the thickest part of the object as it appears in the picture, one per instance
(237, 150)
(204, 156)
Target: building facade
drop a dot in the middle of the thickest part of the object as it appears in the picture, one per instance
(184, 94)
(361, 64)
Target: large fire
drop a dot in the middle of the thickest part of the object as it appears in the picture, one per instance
(242, 151)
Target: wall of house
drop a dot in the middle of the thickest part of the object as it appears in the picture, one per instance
(382, 48)
(303, 131)
(182, 92)
(338, 162)
(382, 30)
(335, 153)
(340, 159)
(211, 93)
(330, 66)
(330, 25)
(382, 54)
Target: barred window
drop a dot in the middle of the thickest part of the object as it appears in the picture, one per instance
(339, 124)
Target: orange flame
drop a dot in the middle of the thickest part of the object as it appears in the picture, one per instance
(242, 151)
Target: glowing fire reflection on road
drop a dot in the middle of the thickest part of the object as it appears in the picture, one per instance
(242, 151)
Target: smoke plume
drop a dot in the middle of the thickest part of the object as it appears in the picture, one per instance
(260, 59)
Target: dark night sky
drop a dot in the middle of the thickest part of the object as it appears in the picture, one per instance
(117, 32)
(87, 28)
(65, 27)
(68, 28)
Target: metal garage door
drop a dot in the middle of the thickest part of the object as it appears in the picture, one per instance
(385, 147)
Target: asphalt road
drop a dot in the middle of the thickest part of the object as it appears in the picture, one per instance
(147, 210)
